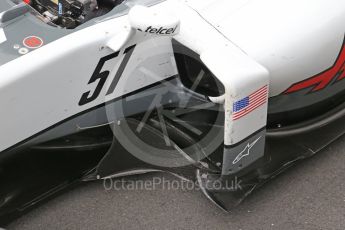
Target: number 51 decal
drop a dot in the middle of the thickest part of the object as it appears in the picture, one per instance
(87, 97)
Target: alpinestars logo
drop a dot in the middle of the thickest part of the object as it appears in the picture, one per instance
(246, 151)
(322, 80)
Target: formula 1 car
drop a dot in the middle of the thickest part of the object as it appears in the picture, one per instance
(211, 91)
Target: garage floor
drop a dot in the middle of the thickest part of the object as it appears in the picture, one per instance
(310, 195)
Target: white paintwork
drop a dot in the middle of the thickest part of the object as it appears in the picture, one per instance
(244, 78)
(293, 39)
(120, 39)
(44, 87)
(240, 74)
(265, 41)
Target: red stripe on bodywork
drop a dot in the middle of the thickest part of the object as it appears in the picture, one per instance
(322, 80)
(342, 73)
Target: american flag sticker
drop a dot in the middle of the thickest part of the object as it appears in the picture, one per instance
(250, 103)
